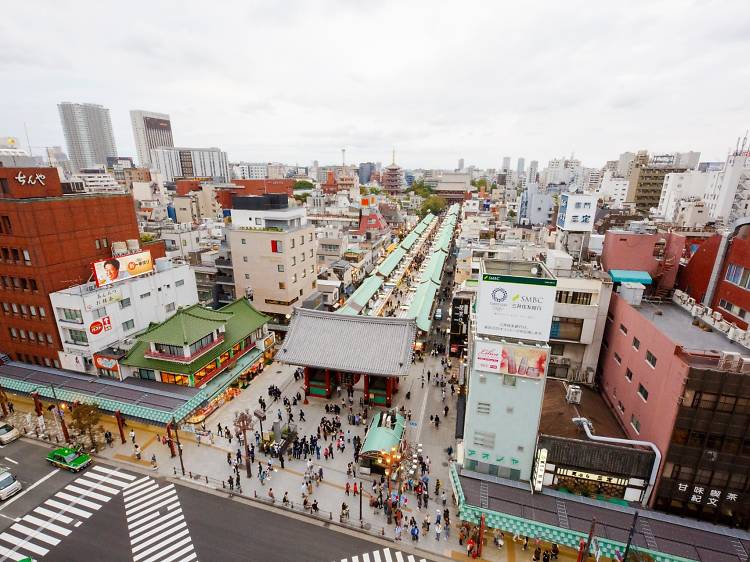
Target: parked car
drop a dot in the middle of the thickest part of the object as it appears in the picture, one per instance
(439, 314)
(8, 433)
(8, 485)
(70, 459)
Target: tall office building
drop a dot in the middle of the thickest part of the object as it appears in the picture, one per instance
(176, 163)
(506, 162)
(88, 133)
(521, 166)
(533, 170)
(460, 164)
(150, 130)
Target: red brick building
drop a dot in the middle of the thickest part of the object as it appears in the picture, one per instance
(225, 192)
(47, 242)
(727, 259)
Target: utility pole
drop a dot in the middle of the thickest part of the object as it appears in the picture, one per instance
(360, 500)
(59, 416)
(179, 447)
(583, 552)
(244, 421)
(630, 537)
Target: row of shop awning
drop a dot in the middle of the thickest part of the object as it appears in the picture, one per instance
(362, 295)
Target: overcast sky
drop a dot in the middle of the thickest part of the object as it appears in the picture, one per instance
(297, 80)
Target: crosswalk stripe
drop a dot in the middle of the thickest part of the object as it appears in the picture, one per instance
(355, 558)
(147, 496)
(87, 493)
(35, 534)
(376, 555)
(97, 486)
(133, 486)
(42, 524)
(106, 479)
(68, 508)
(169, 549)
(149, 510)
(410, 558)
(163, 523)
(24, 544)
(117, 473)
(77, 500)
(399, 556)
(163, 493)
(142, 492)
(154, 547)
(140, 525)
(160, 536)
(12, 554)
(365, 557)
(53, 515)
(387, 554)
(180, 553)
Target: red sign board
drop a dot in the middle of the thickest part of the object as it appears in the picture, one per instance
(102, 325)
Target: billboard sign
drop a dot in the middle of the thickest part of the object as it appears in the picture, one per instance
(97, 299)
(504, 358)
(107, 363)
(515, 307)
(576, 212)
(104, 324)
(112, 270)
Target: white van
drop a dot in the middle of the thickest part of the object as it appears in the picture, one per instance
(8, 485)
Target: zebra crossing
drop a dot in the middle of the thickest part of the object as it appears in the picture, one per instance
(47, 525)
(383, 555)
(156, 525)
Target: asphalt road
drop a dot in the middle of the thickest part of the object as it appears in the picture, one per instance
(113, 514)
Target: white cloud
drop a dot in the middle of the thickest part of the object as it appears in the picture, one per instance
(297, 80)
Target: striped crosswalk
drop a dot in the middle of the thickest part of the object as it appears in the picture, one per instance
(383, 555)
(157, 527)
(42, 529)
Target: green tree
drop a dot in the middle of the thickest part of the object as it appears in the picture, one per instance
(419, 188)
(374, 191)
(433, 204)
(303, 184)
(301, 197)
(86, 418)
(481, 183)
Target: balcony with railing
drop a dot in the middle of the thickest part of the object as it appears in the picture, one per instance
(182, 358)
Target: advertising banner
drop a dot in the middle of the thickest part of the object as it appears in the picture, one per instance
(515, 307)
(97, 299)
(107, 363)
(511, 359)
(112, 270)
(104, 324)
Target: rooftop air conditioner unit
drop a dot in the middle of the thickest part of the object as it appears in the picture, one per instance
(717, 316)
(691, 301)
(729, 360)
(573, 394)
(724, 326)
(744, 365)
(698, 310)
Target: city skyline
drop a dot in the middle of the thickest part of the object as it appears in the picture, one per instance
(592, 94)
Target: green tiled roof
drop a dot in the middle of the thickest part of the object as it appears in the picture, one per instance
(187, 326)
(391, 262)
(241, 319)
(421, 305)
(383, 438)
(408, 242)
(362, 295)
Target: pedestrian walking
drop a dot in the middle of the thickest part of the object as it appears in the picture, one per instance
(132, 436)
(198, 438)
(347, 489)
(438, 529)
(11, 408)
(154, 466)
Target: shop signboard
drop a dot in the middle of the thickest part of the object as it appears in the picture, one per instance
(112, 270)
(104, 324)
(97, 299)
(503, 358)
(576, 212)
(106, 363)
(515, 307)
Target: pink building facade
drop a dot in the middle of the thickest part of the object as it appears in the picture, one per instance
(657, 254)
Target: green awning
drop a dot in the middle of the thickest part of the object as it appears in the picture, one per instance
(391, 262)
(420, 307)
(362, 295)
(408, 242)
(381, 438)
(630, 276)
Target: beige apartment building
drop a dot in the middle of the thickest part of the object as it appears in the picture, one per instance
(273, 253)
(646, 183)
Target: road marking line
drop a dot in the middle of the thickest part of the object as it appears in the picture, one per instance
(97, 486)
(387, 554)
(399, 556)
(78, 500)
(12, 554)
(134, 530)
(365, 557)
(47, 525)
(87, 493)
(24, 544)
(78, 524)
(27, 490)
(106, 479)
(376, 555)
(355, 558)
(150, 509)
(180, 553)
(142, 492)
(182, 528)
(10, 460)
(410, 558)
(159, 494)
(147, 495)
(163, 523)
(69, 508)
(169, 549)
(53, 515)
(35, 534)
(117, 473)
(133, 486)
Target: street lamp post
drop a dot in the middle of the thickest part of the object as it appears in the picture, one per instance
(179, 447)
(244, 421)
(58, 410)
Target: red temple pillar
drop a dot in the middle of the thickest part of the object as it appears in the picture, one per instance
(306, 374)
(367, 389)
(388, 391)
(328, 383)
(120, 425)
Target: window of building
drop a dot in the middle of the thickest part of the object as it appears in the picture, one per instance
(277, 246)
(171, 378)
(244, 259)
(146, 295)
(200, 344)
(33, 310)
(42, 312)
(311, 253)
(628, 374)
(485, 439)
(636, 343)
(294, 261)
(643, 392)
(70, 315)
(105, 242)
(56, 363)
(280, 268)
(573, 297)
(98, 244)
(5, 225)
(77, 336)
(48, 337)
(247, 276)
(291, 242)
(146, 374)
(169, 307)
(258, 220)
(244, 240)
(483, 407)
(566, 328)
(282, 285)
(635, 423)
(311, 237)
(294, 278)
(13, 333)
(24, 310)
(26, 257)
(620, 407)
(32, 284)
(650, 359)
(124, 303)
(509, 380)
(100, 312)
(128, 325)
(618, 358)
(179, 283)
(623, 329)
(6, 308)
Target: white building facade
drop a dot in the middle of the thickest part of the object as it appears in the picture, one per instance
(175, 163)
(682, 186)
(94, 323)
(150, 130)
